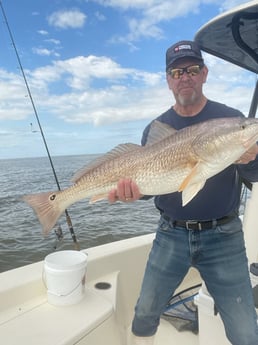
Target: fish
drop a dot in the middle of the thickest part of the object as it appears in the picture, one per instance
(171, 161)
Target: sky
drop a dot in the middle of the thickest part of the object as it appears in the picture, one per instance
(96, 71)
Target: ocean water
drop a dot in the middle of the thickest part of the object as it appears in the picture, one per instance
(21, 239)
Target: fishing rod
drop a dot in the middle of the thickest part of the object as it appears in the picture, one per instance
(68, 219)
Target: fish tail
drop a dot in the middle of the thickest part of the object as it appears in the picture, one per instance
(46, 208)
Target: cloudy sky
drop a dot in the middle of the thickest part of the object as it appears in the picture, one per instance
(95, 69)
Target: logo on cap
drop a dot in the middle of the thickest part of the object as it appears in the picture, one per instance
(182, 47)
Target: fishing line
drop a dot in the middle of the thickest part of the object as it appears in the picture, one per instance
(68, 219)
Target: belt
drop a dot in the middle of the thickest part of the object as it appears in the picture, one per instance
(199, 224)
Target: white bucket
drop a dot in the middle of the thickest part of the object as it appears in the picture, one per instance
(64, 276)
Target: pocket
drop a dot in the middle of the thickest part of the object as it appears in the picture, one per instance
(234, 226)
(163, 224)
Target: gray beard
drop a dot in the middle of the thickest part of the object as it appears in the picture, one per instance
(183, 101)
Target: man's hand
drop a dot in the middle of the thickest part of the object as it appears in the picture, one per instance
(126, 191)
(249, 155)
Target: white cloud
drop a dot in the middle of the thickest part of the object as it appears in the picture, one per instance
(114, 104)
(229, 83)
(129, 94)
(14, 103)
(41, 51)
(126, 94)
(122, 94)
(147, 4)
(79, 72)
(127, 4)
(151, 13)
(64, 19)
(45, 52)
(100, 16)
(54, 41)
(43, 32)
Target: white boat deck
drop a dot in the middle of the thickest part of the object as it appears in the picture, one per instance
(168, 334)
(102, 317)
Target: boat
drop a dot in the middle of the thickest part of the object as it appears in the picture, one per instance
(115, 270)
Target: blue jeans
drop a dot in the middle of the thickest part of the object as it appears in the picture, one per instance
(219, 255)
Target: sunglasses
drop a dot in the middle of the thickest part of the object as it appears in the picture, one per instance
(192, 70)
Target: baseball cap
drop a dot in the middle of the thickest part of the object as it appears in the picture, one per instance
(182, 49)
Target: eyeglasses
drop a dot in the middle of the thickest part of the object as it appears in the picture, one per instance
(192, 70)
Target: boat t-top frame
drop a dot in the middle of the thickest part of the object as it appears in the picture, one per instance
(233, 36)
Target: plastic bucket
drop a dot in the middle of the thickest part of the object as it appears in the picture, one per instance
(64, 276)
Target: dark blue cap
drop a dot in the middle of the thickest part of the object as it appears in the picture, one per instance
(181, 50)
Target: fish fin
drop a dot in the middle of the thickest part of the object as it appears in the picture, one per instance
(190, 192)
(159, 131)
(98, 197)
(189, 177)
(189, 187)
(46, 209)
(114, 153)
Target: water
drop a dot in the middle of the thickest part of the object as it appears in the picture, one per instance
(21, 239)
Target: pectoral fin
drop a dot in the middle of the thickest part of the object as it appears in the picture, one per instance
(190, 192)
(189, 177)
(192, 183)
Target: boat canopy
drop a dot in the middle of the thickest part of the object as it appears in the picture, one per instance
(233, 36)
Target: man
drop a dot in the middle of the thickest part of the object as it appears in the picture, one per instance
(206, 233)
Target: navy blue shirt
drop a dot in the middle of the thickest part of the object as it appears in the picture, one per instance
(221, 194)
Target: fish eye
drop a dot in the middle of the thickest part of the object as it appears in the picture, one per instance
(52, 197)
(243, 126)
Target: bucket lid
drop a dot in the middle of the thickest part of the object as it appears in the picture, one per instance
(66, 259)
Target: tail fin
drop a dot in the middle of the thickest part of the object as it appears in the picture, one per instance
(46, 207)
